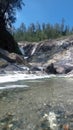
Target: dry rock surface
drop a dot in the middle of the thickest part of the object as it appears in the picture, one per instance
(54, 56)
(49, 57)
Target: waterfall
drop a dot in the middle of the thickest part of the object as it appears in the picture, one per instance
(22, 50)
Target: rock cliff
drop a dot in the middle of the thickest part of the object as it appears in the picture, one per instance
(55, 56)
(49, 56)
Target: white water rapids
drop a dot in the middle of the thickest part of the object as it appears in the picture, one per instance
(18, 76)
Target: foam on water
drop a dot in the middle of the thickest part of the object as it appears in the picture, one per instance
(19, 76)
(13, 86)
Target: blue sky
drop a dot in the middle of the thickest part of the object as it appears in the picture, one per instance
(47, 11)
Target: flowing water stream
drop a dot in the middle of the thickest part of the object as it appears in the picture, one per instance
(27, 101)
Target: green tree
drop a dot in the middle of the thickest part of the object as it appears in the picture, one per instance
(43, 34)
(31, 32)
(43, 26)
(20, 33)
(71, 30)
(22, 28)
(8, 12)
(62, 26)
(31, 28)
(67, 30)
(38, 31)
(56, 30)
(48, 30)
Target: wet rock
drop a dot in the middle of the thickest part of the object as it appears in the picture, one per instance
(10, 122)
(3, 63)
(66, 126)
(69, 69)
(70, 73)
(28, 48)
(57, 51)
(52, 121)
(4, 54)
(17, 58)
(12, 68)
(35, 68)
(51, 69)
(60, 70)
(55, 118)
(65, 45)
(12, 57)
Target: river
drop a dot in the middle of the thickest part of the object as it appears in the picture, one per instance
(27, 101)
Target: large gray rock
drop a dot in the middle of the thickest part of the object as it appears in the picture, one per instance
(57, 51)
(60, 70)
(4, 54)
(51, 69)
(12, 57)
(3, 63)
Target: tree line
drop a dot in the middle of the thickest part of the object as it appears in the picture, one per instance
(37, 32)
(34, 32)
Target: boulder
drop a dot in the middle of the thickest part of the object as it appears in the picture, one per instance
(51, 69)
(12, 67)
(35, 68)
(17, 58)
(4, 54)
(63, 69)
(3, 63)
(12, 57)
(70, 73)
(60, 70)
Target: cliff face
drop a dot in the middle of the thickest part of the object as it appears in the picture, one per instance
(50, 56)
(58, 53)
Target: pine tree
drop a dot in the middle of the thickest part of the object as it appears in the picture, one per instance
(8, 12)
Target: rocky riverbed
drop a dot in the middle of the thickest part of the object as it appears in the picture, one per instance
(39, 105)
(36, 88)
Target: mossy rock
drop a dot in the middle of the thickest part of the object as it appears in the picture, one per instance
(8, 43)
